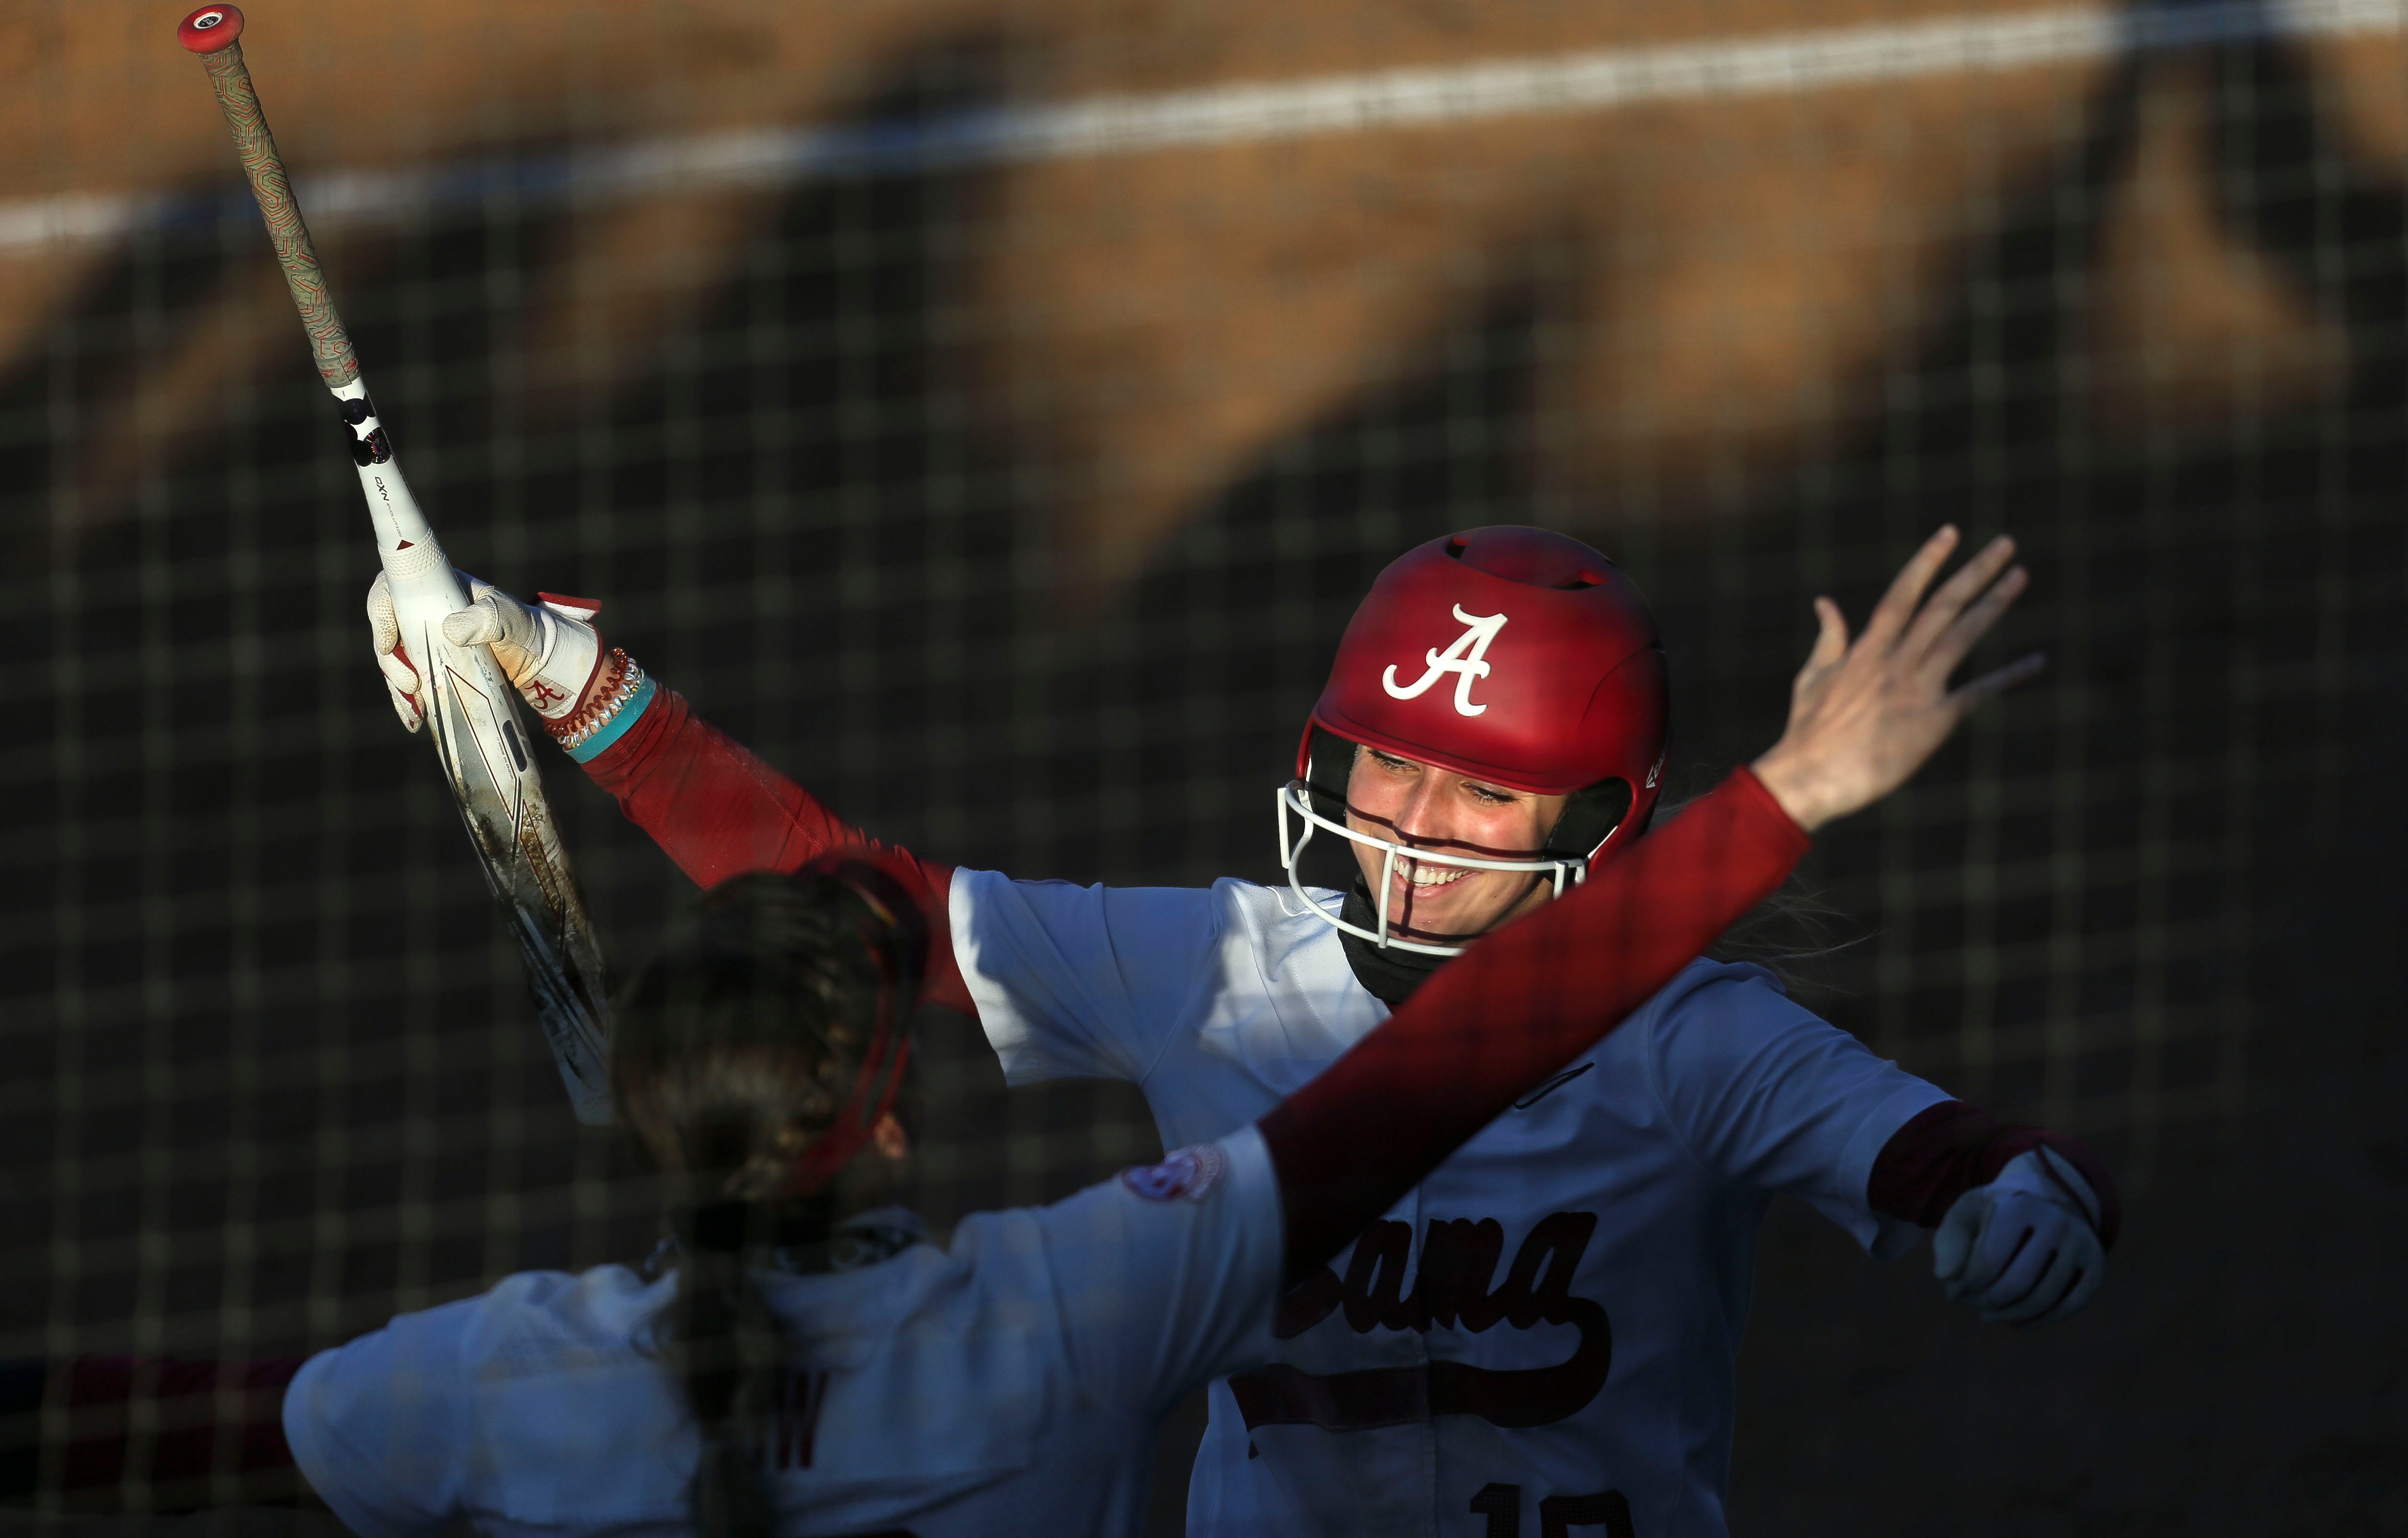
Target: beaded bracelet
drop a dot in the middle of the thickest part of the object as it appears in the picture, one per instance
(621, 680)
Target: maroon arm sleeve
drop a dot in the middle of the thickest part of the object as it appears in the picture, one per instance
(719, 811)
(1947, 1149)
(1514, 1009)
(201, 1422)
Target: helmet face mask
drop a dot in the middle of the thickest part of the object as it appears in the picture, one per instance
(1513, 656)
(1296, 798)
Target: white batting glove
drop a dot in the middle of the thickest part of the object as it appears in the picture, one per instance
(400, 676)
(550, 652)
(2025, 1248)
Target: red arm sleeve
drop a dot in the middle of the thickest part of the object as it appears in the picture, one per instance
(719, 811)
(1947, 1149)
(1514, 1009)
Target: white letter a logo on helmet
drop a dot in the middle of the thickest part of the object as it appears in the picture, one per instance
(1464, 659)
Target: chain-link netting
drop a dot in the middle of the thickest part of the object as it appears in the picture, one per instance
(992, 414)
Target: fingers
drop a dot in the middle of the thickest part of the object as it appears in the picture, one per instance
(2070, 1182)
(1957, 1255)
(2091, 1272)
(1997, 680)
(384, 630)
(2018, 1257)
(2076, 1268)
(403, 706)
(1975, 623)
(399, 676)
(1966, 605)
(480, 623)
(1949, 598)
(2052, 1264)
(1896, 608)
(1830, 638)
(2014, 1244)
(2007, 1259)
(1952, 1241)
(384, 634)
(2000, 1263)
(2059, 1267)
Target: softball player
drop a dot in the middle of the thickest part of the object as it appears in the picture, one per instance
(1545, 1329)
(803, 1370)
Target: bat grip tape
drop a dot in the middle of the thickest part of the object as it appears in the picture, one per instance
(417, 560)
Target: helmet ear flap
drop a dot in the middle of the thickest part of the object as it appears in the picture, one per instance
(1592, 812)
(1329, 763)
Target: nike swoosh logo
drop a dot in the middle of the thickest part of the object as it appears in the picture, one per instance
(1553, 1084)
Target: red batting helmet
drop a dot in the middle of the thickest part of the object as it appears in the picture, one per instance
(1515, 656)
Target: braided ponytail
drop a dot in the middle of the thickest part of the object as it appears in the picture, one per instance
(737, 1055)
(727, 1349)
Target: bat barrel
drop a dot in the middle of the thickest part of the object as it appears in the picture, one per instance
(213, 32)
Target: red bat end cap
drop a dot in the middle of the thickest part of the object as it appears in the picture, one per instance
(210, 28)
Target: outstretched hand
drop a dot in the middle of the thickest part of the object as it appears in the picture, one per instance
(1864, 716)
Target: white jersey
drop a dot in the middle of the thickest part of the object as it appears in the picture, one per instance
(1544, 1335)
(1010, 1384)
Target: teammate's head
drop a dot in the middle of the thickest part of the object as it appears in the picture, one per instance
(764, 1046)
(755, 1057)
(1493, 727)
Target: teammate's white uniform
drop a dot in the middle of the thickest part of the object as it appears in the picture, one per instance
(1011, 1384)
(1594, 1245)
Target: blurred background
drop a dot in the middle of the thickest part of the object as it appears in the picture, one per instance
(991, 413)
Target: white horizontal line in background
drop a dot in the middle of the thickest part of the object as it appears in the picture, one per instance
(1230, 114)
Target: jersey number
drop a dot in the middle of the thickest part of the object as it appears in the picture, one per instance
(1557, 1514)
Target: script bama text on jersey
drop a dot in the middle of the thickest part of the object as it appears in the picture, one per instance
(1451, 1291)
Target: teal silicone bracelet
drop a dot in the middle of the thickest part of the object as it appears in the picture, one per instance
(616, 727)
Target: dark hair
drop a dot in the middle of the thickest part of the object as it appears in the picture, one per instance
(730, 1049)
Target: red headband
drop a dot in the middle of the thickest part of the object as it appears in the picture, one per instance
(899, 940)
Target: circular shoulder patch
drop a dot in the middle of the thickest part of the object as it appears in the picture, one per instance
(1186, 1174)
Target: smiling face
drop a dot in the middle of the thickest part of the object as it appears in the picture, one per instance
(1426, 807)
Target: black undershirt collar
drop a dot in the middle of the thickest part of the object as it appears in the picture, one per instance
(1390, 974)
